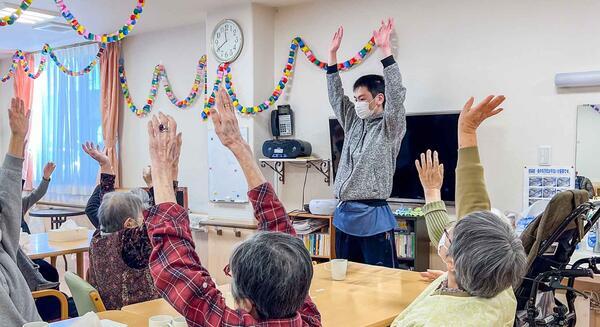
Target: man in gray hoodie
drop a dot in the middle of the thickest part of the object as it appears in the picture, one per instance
(16, 303)
(374, 127)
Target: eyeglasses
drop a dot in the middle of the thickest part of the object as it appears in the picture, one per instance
(227, 271)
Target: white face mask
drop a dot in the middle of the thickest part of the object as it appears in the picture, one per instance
(441, 245)
(363, 110)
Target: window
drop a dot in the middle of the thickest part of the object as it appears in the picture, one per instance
(66, 113)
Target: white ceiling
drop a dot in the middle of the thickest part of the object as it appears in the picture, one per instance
(109, 15)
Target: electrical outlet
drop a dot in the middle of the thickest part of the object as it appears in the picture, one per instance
(544, 155)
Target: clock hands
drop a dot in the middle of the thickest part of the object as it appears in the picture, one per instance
(219, 48)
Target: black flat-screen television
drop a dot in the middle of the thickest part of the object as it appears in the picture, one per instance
(435, 131)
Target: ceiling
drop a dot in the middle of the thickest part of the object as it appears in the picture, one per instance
(109, 15)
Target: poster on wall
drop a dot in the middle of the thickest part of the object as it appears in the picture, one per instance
(543, 182)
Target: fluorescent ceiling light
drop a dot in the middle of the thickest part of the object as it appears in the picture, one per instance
(29, 16)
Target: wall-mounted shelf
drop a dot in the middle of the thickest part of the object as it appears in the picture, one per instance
(278, 166)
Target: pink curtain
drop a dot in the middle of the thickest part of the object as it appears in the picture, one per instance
(110, 89)
(23, 86)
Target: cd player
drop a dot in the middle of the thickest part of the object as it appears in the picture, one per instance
(290, 148)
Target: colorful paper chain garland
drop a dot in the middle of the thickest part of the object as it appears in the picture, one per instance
(9, 20)
(19, 57)
(103, 38)
(87, 69)
(224, 74)
(160, 74)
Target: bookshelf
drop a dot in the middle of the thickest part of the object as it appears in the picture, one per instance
(412, 243)
(325, 233)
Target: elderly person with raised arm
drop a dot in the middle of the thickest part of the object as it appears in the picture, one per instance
(16, 303)
(484, 257)
(120, 248)
(271, 272)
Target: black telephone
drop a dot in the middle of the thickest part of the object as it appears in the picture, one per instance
(282, 121)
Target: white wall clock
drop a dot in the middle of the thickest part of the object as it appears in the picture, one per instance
(227, 40)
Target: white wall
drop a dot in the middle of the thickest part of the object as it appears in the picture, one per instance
(448, 51)
(6, 93)
(179, 49)
(588, 143)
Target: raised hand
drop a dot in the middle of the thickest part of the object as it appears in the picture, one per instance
(337, 40)
(165, 144)
(49, 169)
(471, 118)
(147, 175)
(431, 174)
(164, 148)
(96, 153)
(225, 121)
(383, 36)
(18, 119)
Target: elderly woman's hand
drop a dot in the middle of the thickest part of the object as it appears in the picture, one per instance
(99, 155)
(164, 147)
(431, 275)
(431, 174)
(19, 126)
(225, 122)
(471, 117)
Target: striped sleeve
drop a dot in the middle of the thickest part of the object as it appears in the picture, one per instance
(437, 219)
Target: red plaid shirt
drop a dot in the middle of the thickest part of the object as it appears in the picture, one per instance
(181, 279)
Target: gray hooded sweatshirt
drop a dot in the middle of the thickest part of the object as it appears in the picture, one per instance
(368, 159)
(16, 303)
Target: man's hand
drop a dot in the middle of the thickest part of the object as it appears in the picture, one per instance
(49, 169)
(471, 118)
(226, 123)
(431, 174)
(164, 147)
(335, 45)
(383, 37)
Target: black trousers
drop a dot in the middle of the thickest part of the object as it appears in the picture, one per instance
(379, 249)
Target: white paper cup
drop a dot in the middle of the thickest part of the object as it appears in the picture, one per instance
(160, 321)
(36, 324)
(339, 267)
(179, 322)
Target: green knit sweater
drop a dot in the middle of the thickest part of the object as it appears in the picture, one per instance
(471, 194)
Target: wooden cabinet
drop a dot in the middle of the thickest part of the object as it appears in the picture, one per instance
(214, 245)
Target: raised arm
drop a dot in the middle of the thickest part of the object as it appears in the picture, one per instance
(394, 112)
(107, 181)
(10, 179)
(268, 210)
(341, 104)
(431, 174)
(471, 193)
(174, 264)
(38, 193)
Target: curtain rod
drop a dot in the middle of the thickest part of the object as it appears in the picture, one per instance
(68, 46)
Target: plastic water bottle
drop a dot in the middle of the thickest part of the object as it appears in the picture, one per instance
(591, 239)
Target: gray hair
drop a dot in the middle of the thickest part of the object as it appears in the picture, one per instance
(274, 271)
(116, 207)
(143, 195)
(488, 256)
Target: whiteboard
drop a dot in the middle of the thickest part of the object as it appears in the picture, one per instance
(226, 181)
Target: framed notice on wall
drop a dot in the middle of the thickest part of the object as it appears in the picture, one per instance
(543, 182)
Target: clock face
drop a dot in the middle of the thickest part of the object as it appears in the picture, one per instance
(227, 41)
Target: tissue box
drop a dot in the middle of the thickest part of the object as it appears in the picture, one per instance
(57, 235)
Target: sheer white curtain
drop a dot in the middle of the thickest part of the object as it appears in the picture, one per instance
(66, 113)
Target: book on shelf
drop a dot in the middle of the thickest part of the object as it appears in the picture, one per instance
(405, 244)
(318, 244)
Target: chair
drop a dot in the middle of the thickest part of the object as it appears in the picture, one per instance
(64, 306)
(85, 296)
